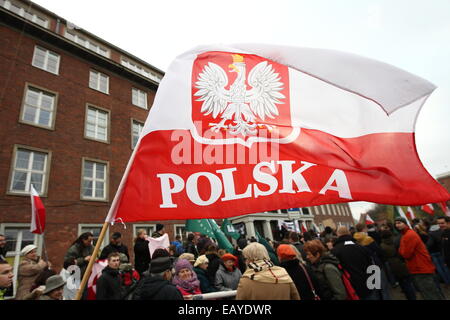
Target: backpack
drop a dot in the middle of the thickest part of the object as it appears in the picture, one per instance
(351, 293)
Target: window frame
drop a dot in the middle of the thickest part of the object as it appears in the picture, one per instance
(108, 123)
(22, 108)
(98, 83)
(132, 123)
(36, 46)
(46, 177)
(139, 91)
(95, 225)
(183, 237)
(106, 188)
(138, 226)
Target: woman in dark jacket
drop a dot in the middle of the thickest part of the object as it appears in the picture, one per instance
(325, 267)
(302, 275)
(200, 268)
(141, 252)
(397, 265)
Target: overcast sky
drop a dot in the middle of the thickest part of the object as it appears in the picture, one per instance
(410, 34)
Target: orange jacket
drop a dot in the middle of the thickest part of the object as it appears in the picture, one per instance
(417, 258)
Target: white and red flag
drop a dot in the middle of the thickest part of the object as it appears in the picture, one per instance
(304, 230)
(445, 208)
(37, 212)
(428, 208)
(252, 128)
(410, 213)
(369, 220)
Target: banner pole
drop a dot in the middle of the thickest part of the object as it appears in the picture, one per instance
(87, 273)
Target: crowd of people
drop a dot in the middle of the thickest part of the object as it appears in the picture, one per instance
(333, 265)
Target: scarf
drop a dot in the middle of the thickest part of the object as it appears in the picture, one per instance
(266, 271)
(188, 285)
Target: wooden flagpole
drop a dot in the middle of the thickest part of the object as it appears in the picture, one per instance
(87, 273)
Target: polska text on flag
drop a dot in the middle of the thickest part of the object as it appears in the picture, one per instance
(252, 128)
(37, 212)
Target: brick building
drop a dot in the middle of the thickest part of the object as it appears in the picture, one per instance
(72, 107)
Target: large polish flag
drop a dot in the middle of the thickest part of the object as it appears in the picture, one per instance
(251, 128)
(37, 212)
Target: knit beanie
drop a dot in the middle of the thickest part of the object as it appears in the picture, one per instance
(286, 252)
(201, 260)
(401, 220)
(182, 264)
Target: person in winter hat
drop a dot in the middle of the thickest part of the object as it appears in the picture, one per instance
(186, 279)
(201, 269)
(128, 275)
(304, 279)
(54, 287)
(158, 284)
(263, 280)
(228, 274)
(29, 269)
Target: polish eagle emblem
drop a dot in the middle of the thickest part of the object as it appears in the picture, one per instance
(239, 109)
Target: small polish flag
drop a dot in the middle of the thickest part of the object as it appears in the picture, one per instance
(410, 213)
(369, 220)
(445, 209)
(304, 227)
(428, 208)
(37, 213)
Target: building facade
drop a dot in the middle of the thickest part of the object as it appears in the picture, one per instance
(72, 107)
(267, 224)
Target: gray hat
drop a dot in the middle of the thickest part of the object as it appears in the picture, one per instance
(160, 264)
(401, 220)
(53, 282)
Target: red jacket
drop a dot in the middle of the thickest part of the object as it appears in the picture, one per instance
(417, 258)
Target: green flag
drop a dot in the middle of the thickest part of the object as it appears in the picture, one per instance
(229, 230)
(200, 225)
(270, 250)
(220, 237)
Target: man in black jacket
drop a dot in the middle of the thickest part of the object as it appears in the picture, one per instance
(191, 246)
(157, 285)
(115, 245)
(444, 225)
(109, 284)
(355, 259)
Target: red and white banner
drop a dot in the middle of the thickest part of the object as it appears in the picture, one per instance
(428, 208)
(96, 272)
(253, 128)
(410, 213)
(304, 227)
(158, 243)
(37, 212)
(369, 220)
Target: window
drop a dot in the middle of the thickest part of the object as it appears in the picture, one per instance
(99, 81)
(141, 70)
(97, 121)
(94, 184)
(88, 44)
(135, 132)
(95, 229)
(29, 167)
(139, 98)
(180, 230)
(38, 107)
(26, 13)
(46, 60)
(149, 228)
